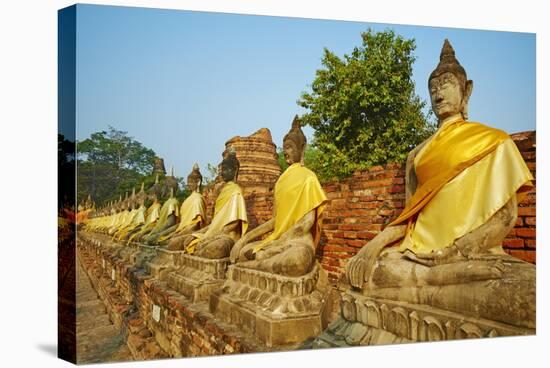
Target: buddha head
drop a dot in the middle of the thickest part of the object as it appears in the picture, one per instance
(194, 179)
(294, 143)
(449, 86)
(230, 166)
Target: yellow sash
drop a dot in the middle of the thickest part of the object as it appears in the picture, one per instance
(137, 219)
(192, 211)
(297, 192)
(151, 217)
(171, 206)
(229, 207)
(454, 147)
(466, 173)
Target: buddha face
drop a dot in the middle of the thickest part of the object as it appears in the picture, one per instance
(193, 184)
(447, 95)
(227, 172)
(291, 152)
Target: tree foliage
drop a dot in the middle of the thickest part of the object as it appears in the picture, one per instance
(363, 107)
(111, 163)
(66, 171)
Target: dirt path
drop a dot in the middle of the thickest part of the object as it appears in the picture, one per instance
(98, 339)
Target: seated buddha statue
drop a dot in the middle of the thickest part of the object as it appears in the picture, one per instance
(131, 208)
(137, 217)
(463, 185)
(120, 217)
(228, 224)
(192, 213)
(294, 230)
(167, 218)
(152, 215)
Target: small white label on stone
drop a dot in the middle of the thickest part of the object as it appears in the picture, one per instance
(156, 312)
(113, 274)
(103, 263)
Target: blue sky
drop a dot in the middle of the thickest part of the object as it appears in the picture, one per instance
(183, 83)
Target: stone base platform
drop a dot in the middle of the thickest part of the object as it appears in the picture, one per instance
(160, 262)
(195, 277)
(371, 321)
(276, 309)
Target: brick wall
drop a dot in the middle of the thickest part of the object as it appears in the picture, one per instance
(358, 209)
(521, 242)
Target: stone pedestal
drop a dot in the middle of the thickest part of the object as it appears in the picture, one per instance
(278, 310)
(373, 321)
(196, 277)
(158, 261)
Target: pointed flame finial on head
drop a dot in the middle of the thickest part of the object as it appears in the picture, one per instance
(449, 63)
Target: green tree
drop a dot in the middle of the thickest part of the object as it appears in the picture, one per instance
(210, 175)
(363, 107)
(111, 163)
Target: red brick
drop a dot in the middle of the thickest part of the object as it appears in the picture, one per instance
(339, 234)
(386, 212)
(530, 199)
(363, 212)
(355, 243)
(526, 255)
(366, 234)
(367, 198)
(519, 222)
(525, 232)
(513, 243)
(527, 211)
(527, 156)
(337, 241)
(350, 234)
(335, 248)
(397, 189)
(336, 257)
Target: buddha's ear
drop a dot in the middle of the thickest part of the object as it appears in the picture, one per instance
(466, 98)
(302, 158)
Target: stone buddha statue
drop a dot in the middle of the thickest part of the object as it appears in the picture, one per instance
(152, 215)
(228, 224)
(130, 208)
(168, 215)
(463, 185)
(294, 230)
(120, 217)
(137, 215)
(192, 211)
